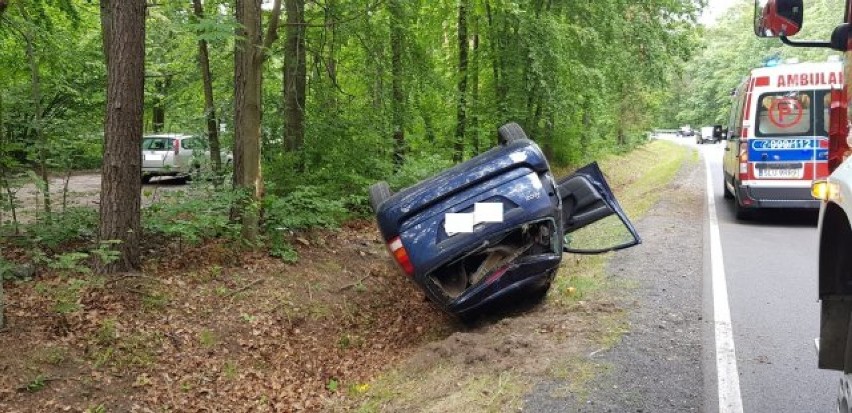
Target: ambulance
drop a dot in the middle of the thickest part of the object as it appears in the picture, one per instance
(778, 136)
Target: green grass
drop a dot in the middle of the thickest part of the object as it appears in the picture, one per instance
(639, 179)
(451, 389)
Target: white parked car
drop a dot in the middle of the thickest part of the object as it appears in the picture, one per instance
(176, 155)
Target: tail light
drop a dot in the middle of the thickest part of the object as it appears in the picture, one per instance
(400, 255)
(176, 145)
(743, 157)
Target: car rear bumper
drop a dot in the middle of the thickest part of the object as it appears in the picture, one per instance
(177, 171)
(524, 278)
(777, 197)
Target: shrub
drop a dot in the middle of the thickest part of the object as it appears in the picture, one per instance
(192, 217)
(74, 225)
(303, 208)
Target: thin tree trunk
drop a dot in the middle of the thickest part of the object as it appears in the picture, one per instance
(295, 77)
(2, 304)
(35, 94)
(397, 39)
(497, 46)
(209, 106)
(461, 102)
(158, 111)
(249, 55)
(474, 85)
(247, 113)
(122, 166)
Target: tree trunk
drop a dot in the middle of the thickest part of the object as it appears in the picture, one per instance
(295, 76)
(461, 99)
(500, 86)
(397, 39)
(2, 302)
(474, 85)
(209, 106)
(35, 95)
(158, 111)
(124, 36)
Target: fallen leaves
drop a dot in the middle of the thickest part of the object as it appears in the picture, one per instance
(249, 334)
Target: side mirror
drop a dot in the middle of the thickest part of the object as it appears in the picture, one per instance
(838, 129)
(840, 38)
(775, 18)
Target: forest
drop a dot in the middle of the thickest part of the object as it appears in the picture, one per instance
(350, 92)
(702, 95)
(261, 284)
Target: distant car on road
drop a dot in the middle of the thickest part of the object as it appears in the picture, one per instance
(175, 155)
(712, 134)
(685, 132)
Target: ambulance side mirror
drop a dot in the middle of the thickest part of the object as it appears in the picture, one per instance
(838, 128)
(776, 18)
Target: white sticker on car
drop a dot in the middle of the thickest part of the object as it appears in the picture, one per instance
(483, 212)
(487, 212)
(458, 223)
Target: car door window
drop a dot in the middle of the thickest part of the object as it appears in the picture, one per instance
(155, 144)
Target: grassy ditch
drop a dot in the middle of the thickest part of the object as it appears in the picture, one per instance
(490, 368)
(638, 179)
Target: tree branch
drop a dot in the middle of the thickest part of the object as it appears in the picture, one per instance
(272, 29)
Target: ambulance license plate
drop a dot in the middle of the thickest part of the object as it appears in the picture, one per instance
(779, 170)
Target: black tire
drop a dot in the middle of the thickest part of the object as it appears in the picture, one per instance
(725, 191)
(379, 193)
(742, 213)
(509, 133)
(146, 179)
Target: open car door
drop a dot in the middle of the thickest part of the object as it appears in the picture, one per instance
(592, 220)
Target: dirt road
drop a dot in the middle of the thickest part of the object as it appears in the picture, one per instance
(83, 190)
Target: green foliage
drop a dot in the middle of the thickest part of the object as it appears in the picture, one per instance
(74, 225)
(191, 216)
(65, 295)
(702, 95)
(303, 208)
(70, 263)
(417, 169)
(36, 384)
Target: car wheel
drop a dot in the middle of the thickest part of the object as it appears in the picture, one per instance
(379, 193)
(509, 133)
(146, 179)
(725, 191)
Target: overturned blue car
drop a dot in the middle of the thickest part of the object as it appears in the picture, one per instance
(495, 228)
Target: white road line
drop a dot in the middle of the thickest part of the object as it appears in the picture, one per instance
(730, 400)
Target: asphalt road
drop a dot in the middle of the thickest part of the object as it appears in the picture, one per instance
(770, 266)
